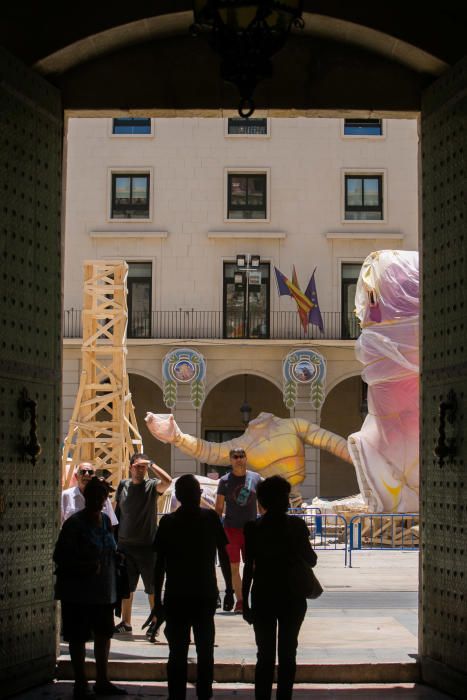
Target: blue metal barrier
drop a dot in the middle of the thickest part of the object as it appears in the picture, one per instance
(383, 531)
(328, 531)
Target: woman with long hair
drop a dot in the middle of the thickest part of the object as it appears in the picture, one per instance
(277, 550)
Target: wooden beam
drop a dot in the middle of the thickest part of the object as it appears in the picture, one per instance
(103, 428)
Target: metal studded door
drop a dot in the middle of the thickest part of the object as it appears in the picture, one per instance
(443, 585)
(30, 291)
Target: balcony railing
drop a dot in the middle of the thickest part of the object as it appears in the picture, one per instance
(205, 325)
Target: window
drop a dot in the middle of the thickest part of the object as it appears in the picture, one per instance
(215, 472)
(130, 196)
(246, 301)
(363, 197)
(247, 127)
(350, 325)
(139, 299)
(363, 127)
(246, 196)
(129, 126)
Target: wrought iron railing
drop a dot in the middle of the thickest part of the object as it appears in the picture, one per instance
(204, 325)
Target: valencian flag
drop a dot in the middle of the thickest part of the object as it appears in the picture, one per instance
(307, 302)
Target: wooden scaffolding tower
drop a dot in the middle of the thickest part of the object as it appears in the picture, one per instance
(103, 428)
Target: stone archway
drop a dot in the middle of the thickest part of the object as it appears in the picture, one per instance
(147, 396)
(383, 85)
(336, 479)
(221, 418)
(221, 408)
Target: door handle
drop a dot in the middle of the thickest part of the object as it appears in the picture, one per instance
(446, 444)
(29, 447)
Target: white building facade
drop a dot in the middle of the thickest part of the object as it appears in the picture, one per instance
(203, 210)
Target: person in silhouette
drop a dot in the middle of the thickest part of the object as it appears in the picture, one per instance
(186, 544)
(85, 555)
(277, 547)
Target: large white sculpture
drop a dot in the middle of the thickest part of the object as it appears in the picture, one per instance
(385, 451)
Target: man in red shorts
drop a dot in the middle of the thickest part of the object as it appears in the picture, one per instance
(236, 494)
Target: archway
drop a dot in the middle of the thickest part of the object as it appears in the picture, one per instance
(147, 396)
(221, 417)
(337, 480)
(33, 36)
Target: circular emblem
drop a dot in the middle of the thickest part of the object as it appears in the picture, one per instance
(304, 371)
(183, 371)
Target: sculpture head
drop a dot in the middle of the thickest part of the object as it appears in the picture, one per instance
(388, 287)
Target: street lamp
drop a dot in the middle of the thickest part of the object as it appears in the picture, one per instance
(245, 408)
(246, 34)
(248, 262)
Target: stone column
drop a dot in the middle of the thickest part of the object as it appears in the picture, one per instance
(188, 419)
(303, 409)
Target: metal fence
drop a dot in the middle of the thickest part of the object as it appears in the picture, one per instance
(327, 530)
(383, 531)
(205, 325)
(364, 531)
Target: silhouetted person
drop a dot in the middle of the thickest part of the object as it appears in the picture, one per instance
(276, 546)
(186, 544)
(87, 587)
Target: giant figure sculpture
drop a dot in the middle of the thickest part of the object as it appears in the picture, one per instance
(273, 445)
(385, 450)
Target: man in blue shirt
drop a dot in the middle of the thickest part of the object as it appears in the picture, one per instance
(236, 494)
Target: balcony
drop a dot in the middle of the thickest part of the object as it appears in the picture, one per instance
(215, 325)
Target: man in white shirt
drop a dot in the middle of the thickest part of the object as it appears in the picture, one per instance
(73, 498)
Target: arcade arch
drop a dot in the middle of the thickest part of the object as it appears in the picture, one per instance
(147, 396)
(338, 479)
(221, 418)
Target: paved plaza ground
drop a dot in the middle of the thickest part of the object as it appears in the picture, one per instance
(362, 629)
(62, 690)
(368, 613)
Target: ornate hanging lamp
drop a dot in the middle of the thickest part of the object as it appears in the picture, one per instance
(245, 408)
(246, 34)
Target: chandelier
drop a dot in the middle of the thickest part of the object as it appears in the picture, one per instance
(246, 34)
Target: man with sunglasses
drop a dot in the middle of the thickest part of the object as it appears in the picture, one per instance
(73, 498)
(236, 494)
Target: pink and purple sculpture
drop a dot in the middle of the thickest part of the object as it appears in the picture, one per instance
(385, 451)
